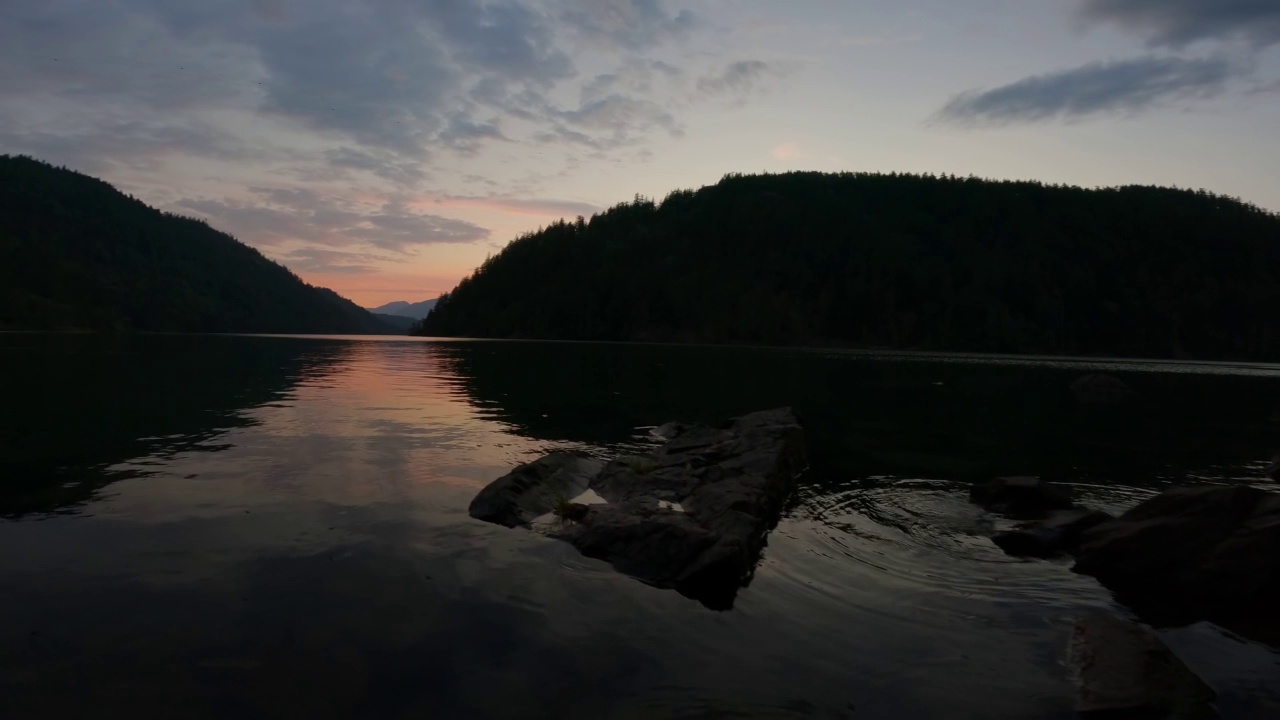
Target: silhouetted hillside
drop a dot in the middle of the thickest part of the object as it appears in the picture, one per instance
(402, 323)
(895, 261)
(79, 254)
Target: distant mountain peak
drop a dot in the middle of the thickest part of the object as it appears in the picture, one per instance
(404, 308)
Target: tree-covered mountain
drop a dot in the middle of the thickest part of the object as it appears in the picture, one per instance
(402, 323)
(79, 254)
(404, 308)
(895, 261)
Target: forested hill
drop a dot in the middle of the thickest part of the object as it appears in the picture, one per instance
(895, 261)
(78, 254)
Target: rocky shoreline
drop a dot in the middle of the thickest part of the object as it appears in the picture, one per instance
(1191, 553)
(694, 516)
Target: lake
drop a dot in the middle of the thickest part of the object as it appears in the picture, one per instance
(270, 527)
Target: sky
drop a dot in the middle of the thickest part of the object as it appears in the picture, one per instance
(384, 148)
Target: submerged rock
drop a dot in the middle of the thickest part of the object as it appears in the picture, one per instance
(692, 516)
(1100, 389)
(1059, 533)
(1123, 670)
(1194, 553)
(1020, 495)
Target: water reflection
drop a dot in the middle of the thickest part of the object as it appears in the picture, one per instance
(285, 531)
(76, 405)
(904, 416)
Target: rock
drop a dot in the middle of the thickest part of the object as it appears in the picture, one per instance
(534, 489)
(1194, 553)
(667, 431)
(1099, 389)
(1123, 670)
(1020, 495)
(1273, 470)
(692, 516)
(1057, 534)
(654, 544)
(572, 511)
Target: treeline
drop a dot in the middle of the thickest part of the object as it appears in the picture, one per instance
(895, 261)
(79, 254)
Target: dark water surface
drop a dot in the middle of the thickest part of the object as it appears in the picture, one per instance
(264, 527)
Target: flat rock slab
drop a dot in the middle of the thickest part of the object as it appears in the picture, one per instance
(535, 489)
(693, 515)
(1123, 670)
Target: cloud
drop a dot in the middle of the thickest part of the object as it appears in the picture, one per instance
(338, 262)
(379, 88)
(395, 227)
(643, 77)
(462, 133)
(537, 207)
(737, 78)
(1137, 84)
(380, 163)
(1099, 88)
(278, 215)
(632, 24)
(615, 120)
(136, 144)
(401, 76)
(1177, 23)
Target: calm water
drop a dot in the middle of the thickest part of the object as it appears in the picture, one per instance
(276, 527)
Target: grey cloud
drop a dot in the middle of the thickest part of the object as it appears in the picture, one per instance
(257, 224)
(336, 262)
(636, 78)
(137, 145)
(282, 215)
(382, 85)
(396, 227)
(466, 135)
(1114, 87)
(532, 206)
(390, 74)
(366, 75)
(1176, 23)
(632, 24)
(553, 207)
(512, 40)
(618, 120)
(272, 10)
(88, 52)
(381, 163)
(737, 78)
(666, 68)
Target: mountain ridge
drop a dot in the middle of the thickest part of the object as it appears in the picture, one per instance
(894, 261)
(80, 254)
